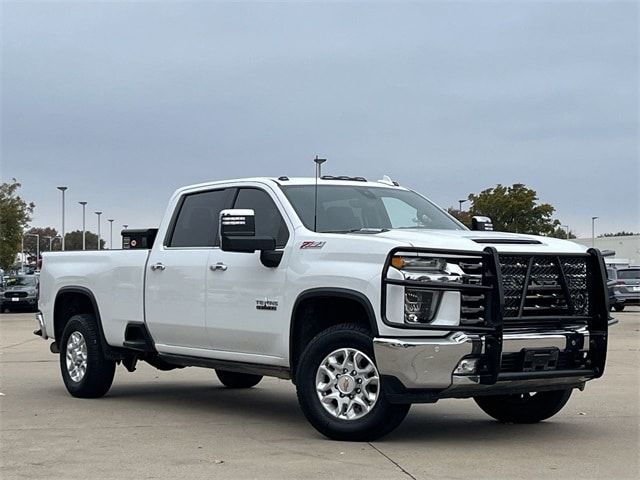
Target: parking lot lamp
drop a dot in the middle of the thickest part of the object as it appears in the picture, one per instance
(98, 214)
(110, 220)
(460, 202)
(62, 189)
(84, 228)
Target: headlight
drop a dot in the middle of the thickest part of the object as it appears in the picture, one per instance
(433, 269)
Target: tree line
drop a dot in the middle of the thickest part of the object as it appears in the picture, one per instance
(514, 208)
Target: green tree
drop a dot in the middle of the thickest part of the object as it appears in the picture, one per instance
(73, 241)
(30, 240)
(514, 209)
(560, 232)
(15, 215)
(461, 215)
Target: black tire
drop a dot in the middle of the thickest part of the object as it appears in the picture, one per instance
(99, 373)
(524, 408)
(238, 380)
(383, 417)
(618, 308)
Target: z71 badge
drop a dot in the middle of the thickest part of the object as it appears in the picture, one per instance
(266, 304)
(309, 244)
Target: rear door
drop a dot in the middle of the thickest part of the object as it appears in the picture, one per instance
(175, 298)
(245, 298)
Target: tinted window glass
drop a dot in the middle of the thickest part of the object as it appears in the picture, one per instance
(197, 222)
(269, 222)
(628, 274)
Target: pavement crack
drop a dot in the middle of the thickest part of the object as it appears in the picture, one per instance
(392, 461)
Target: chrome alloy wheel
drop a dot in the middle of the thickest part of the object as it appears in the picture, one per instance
(347, 384)
(76, 356)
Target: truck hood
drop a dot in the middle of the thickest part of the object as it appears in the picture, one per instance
(477, 241)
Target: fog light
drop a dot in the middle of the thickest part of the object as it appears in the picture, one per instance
(466, 366)
(420, 306)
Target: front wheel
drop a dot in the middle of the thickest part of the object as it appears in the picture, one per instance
(85, 370)
(618, 308)
(338, 386)
(529, 407)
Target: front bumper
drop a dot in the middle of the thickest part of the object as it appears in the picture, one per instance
(423, 369)
(18, 302)
(626, 299)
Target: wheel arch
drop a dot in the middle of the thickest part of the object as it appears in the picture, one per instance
(320, 301)
(73, 300)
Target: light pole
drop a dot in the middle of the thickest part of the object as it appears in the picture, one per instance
(593, 231)
(110, 220)
(460, 202)
(84, 229)
(566, 227)
(50, 241)
(62, 189)
(98, 214)
(37, 245)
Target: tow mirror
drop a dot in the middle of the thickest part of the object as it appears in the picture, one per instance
(238, 232)
(481, 224)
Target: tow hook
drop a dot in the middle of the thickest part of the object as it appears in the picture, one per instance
(54, 347)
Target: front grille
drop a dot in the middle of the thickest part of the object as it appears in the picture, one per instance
(543, 286)
(15, 294)
(472, 305)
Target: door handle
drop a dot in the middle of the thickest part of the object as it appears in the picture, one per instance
(218, 266)
(158, 266)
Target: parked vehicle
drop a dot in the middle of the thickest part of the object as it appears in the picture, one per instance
(20, 292)
(365, 294)
(624, 287)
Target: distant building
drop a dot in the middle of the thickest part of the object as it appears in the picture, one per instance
(627, 248)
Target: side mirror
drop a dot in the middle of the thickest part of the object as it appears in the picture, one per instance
(481, 224)
(237, 229)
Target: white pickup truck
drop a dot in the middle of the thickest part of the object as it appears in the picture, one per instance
(365, 294)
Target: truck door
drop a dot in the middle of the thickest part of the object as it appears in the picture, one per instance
(175, 299)
(245, 311)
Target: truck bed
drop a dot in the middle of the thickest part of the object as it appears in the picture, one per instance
(115, 278)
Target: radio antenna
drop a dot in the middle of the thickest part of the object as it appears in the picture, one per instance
(318, 162)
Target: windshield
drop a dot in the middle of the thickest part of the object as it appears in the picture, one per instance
(628, 274)
(353, 208)
(21, 281)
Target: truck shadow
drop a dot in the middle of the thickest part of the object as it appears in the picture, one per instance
(269, 408)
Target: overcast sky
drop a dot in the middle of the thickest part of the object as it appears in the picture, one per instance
(124, 102)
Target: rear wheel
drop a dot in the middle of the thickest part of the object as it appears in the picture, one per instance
(338, 386)
(529, 407)
(238, 380)
(85, 370)
(618, 308)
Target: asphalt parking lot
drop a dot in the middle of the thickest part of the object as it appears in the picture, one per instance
(184, 424)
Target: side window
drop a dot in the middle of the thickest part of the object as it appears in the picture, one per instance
(268, 219)
(197, 221)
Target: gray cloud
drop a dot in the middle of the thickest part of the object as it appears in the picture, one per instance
(123, 102)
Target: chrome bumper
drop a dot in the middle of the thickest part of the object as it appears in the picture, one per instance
(42, 328)
(429, 363)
